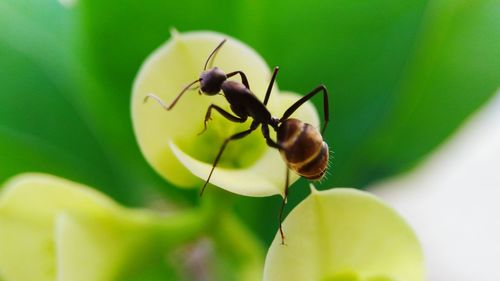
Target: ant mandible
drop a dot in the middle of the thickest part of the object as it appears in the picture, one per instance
(300, 144)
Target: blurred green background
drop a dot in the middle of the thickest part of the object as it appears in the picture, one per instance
(403, 76)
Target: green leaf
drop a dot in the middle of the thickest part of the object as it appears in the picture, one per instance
(56, 117)
(375, 57)
(453, 69)
(394, 68)
(41, 123)
(238, 254)
(403, 75)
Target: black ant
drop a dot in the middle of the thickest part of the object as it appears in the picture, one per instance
(300, 144)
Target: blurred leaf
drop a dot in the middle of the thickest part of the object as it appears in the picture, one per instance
(363, 52)
(381, 60)
(403, 75)
(155, 271)
(41, 123)
(51, 227)
(239, 256)
(55, 116)
(454, 69)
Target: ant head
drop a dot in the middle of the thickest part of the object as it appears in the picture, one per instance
(211, 81)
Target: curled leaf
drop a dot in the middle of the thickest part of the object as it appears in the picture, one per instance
(169, 140)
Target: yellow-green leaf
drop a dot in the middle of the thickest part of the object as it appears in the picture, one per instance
(51, 228)
(169, 139)
(344, 234)
(28, 207)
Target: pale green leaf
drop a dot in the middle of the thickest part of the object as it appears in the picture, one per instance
(51, 228)
(340, 234)
(170, 140)
(28, 206)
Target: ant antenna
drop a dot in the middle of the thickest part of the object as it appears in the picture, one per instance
(175, 100)
(213, 54)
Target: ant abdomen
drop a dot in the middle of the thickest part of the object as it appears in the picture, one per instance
(303, 148)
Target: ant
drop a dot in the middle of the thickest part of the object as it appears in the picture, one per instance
(300, 144)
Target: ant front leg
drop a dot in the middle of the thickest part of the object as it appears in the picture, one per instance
(244, 79)
(221, 150)
(171, 105)
(297, 104)
(229, 116)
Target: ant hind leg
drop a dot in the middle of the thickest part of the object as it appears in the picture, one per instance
(297, 104)
(283, 206)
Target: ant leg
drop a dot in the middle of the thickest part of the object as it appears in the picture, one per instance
(244, 79)
(156, 98)
(233, 137)
(305, 98)
(271, 83)
(269, 141)
(169, 107)
(285, 197)
(224, 113)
